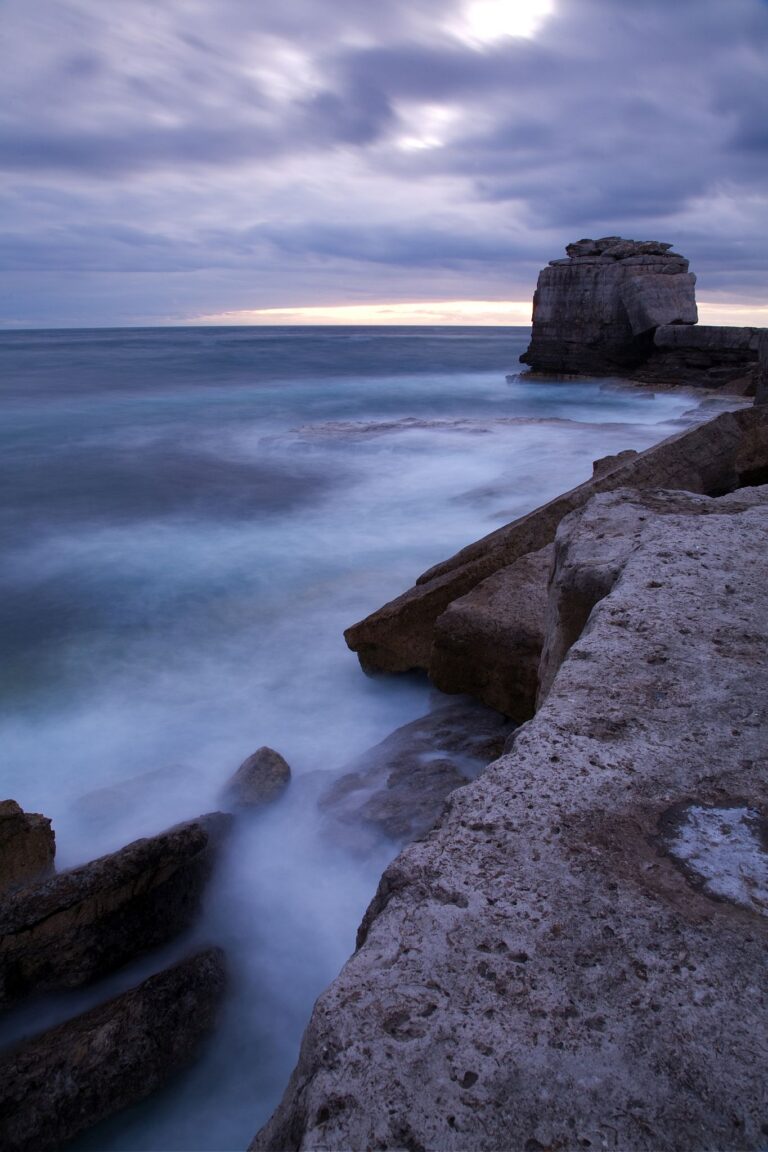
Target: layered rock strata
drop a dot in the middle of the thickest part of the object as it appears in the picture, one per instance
(703, 355)
(69, 1078)
(574, 957)
(27, 846)
(80, 924)
(595, 311)
(711, 458)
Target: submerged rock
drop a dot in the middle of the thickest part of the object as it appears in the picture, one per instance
(259, 780)
(569, 959)
(27, 846)
(80, 924)
(69, 1078)
(398, 788)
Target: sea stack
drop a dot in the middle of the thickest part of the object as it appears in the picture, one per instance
(596, 310)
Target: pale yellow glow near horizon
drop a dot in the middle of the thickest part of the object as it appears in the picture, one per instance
(431, 312)
(734, 315)
(486, 21)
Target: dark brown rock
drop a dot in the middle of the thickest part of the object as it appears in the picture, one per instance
(259, 780)
(27, 846)
(397, 788)
(67, 1079)
(488, 643)
(83, 923)
(712, 458)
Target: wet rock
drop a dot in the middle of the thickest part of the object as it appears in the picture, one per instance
(67, 1079)
(713, 457)
(80, 924)
(488, 643)
(398, 788)
(552, 967)
(259, 780)
(27, 846)
(592, 312)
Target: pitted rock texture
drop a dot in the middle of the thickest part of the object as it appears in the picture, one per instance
(67, 1079)
(80, 924)
(540, 971)
(712, 458)
(398, 788)
(595, 311)
(488, 643)
(27, 846)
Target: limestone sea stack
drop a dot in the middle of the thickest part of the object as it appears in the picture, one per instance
(596, 310)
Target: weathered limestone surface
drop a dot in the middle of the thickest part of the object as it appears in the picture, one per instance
(69, 1078)
(27, 846)
(710, 458)
(575, 956)
(704, 355)
(488, 643)
(398, 787)
(259, 780)
(80, 924)
(595, 311)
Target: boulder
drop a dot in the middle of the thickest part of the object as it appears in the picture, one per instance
(593, 312)
(27, 846)
(80, 924)
(397, 789)
(574, 957)
(488, 643)
(67, 1079)
(259, 780)
(714, 457)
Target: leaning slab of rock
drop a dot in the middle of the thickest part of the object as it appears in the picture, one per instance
(488, 643)
(397, 789)
(67, 1079)
(714, 457)
(83, 923)
(27, 846)
(259, 780)
(575, 956)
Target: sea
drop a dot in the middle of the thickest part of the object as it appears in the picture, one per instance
(190, 518)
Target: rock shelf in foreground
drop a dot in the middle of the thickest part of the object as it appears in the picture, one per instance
(575, 956)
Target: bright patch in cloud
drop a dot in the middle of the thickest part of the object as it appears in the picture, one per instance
(485, 21)
(740, 315)
(438, 312)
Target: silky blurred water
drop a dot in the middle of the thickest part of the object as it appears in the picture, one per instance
(190, 518)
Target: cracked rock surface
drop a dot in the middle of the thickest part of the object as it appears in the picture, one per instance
(569, 960)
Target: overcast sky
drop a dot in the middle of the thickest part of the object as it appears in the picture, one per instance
(169, 160)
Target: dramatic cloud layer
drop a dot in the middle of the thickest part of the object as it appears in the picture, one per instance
(199, 157)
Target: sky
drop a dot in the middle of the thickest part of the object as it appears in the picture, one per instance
(395, 161)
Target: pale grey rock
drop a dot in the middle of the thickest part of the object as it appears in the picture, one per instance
(541, 971)
(27, 846)
(488, 643)
(397, 789)
(64, 1081)
(713, 457)
(83, 923)
(260, 780)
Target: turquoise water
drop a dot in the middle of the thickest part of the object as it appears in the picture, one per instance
(191, 517)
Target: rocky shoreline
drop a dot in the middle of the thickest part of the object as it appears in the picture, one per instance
(573, 955)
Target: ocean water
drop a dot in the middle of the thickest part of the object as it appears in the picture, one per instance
(190, 518)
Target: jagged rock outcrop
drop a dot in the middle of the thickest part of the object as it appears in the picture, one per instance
(575, 956)
(595, 311)
(67, 1079)
(398, 788)
(80, 924)
(711, 458)
(488, 643)
(27, 846)
(259, 780)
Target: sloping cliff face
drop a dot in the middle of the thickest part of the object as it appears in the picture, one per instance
(574, 956)
(596, 310)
